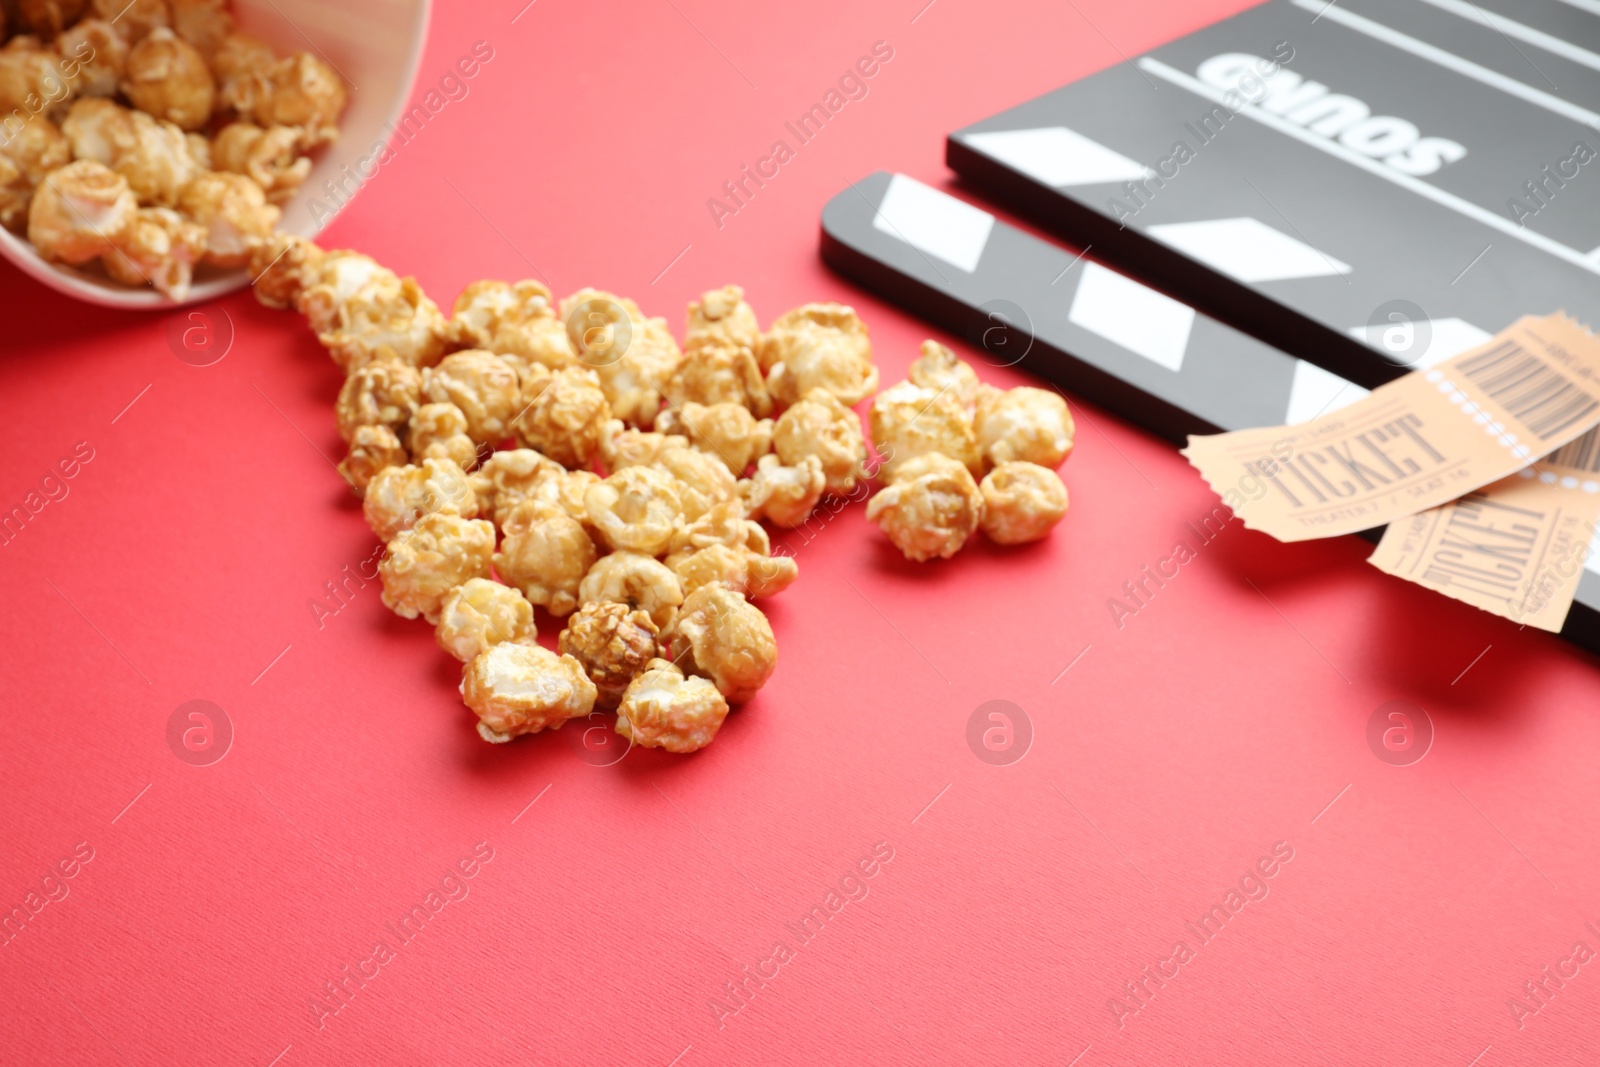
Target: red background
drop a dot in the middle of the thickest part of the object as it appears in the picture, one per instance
(1223, 717)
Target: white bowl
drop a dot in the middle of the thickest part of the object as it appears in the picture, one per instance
(375, 44)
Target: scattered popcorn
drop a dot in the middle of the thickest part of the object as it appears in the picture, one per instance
(79, 210)
(819, 346)
(930, 508)
(372, 449)
(483, 386)
(1021, 502)
(479, 614)
(703, 481)
(749, 572)
(439, 431)
(820, 426)
(613, 643)
(1026, 424)
(511, 320)
(564, 420)
(509, 477)
(521, 689)
(727, 431)
(281, 267)
(388, 317)
(385, 393)
(546, 554)
(397, 497)
(637, 509)
(720, 635)
(784, 496)
(663, 709)
(937, 368)
(724, 524)
(622, 446)
(717, 372)
(441, 551)
(637, 581)
(909, 421)
(721, 317)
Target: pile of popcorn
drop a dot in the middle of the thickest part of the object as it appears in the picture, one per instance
(570, 455)
(150, 137)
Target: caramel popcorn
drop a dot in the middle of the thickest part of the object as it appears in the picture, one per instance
(567, 490)
(717, 371)
(1028, 424)
(236, 56)
(387, 317)
(439, 431)
(424, 563)
(908, 421)
(271, 157)
(299, 90)
(565, 418)
(332, 279)
(25, 158)
(31, 77)
(1021, 502)
(727, 431)
(613, 643)
(101, 55)
(520, 689)
(633, 382)
(752, 573)
(637, 509)
(820, 426)
(703, 481)
(203, 23)
(479, 614)
(546, 554)
(930, 508)
(154, 156)
(819, 346)
(511, 319)
(663, 709)
(783, 495)
(722, 317)
(161, 248)
(724, 524)
(623, 446)
(720, 635)
(384, 393)
(372, 449)
(78, 210)
(47, 18)
(509, 477)
(235, 213)
(937, 368)
(635, 580)
(134, 19)
(166, 77)
(398, 497)
(281, 266)
(482, 385)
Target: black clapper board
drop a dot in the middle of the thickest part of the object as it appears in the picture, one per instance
(1110, 339)
(1400, 177)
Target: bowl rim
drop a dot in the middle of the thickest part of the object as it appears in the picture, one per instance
(106, 293)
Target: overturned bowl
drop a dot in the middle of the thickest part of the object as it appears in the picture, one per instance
(375, 45)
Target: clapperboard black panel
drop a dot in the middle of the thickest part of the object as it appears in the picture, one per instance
(1414, 177)
(1025, 302)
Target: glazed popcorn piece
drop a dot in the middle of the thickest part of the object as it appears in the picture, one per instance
(727, 431)
(637, 509)
(623, 446)
(281, 266)
(439, 431)
(25, 158)
(483, 386)
(235, 213)
(717, 371)
(47, 18)
(516, 319)
(1021, 502)
(271, 157)
(663, 709)
(78, 211)
(720, 635)
(751, 573)
(479, 614)
(784, 496)
(635, 580)
(388, 317)
(613, 643)
(509, 477)
(166, 77)
(1028, 424)
(521, 689)
(908, 421)
(154, 156)
(160, 248)
(31, 77)
(565, 418)
(298, 90)
(385, 393)
(937, 368)
(724, 524)
(398, 497)
(372, 449)
(203, 23)
(930, 508)
(332, 280)
(100, 54)
(722, 318)
(633, 382)
(424, 563)
(819, 425)
(134, 19)
(703, 481)
(546, 554)
(819, 346)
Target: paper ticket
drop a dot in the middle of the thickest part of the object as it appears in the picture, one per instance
(1516, 548)
(1416, 443)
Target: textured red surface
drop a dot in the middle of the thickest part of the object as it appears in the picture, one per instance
(1222, 718)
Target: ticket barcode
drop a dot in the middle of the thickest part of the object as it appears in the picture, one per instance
(1530, 389)
(1581, 453)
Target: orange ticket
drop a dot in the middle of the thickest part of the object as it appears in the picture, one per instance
(1416, 443)
(1516, 548)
